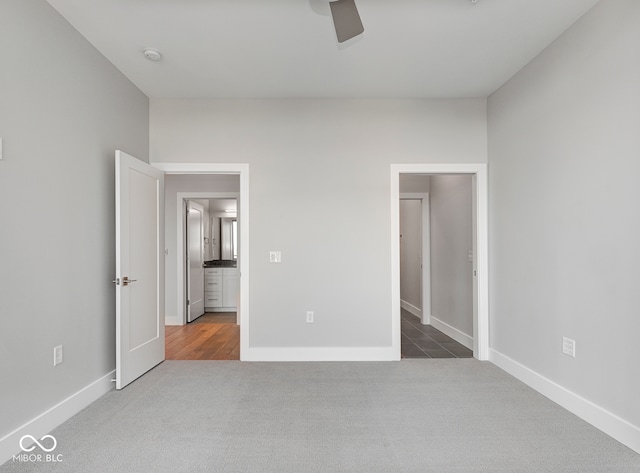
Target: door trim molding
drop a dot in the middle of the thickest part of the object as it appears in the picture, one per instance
(241, 169)
(481, 248)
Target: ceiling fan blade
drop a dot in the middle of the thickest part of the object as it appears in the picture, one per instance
(346, 19)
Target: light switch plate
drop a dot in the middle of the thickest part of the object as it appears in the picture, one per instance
(275, 257)
(569, 347)
(57, 355)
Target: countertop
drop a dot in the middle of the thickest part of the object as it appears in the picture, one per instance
(220, 264)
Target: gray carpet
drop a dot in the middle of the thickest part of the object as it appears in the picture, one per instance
(457, 415)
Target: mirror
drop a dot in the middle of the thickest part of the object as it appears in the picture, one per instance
(228, 239)
(221, 244)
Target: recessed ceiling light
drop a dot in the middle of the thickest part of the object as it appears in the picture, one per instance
(152, 54)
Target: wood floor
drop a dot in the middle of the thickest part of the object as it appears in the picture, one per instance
(213, 336)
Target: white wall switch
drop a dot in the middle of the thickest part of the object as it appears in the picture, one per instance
(57, 355)
(275, 257)
(569, 347)
(309, 317)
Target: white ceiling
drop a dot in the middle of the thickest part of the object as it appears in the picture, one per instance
(287, 48)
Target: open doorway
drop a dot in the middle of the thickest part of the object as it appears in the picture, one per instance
(413, 314)
(217, 333)
(211, 273)
(436, 266)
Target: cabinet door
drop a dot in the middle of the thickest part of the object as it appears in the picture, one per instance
(212, 300)
(213, 284)
(230, 287)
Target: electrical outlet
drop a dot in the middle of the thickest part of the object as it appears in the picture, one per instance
(569, 347)
(57, 355)
(309, 317)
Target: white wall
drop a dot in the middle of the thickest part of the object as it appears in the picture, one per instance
(414, 183)
(564, 145)
(319, 192)
(411, 255)
(451, 241)
(64, 109)
(174, 183)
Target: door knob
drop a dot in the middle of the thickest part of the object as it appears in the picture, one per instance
(126, 281)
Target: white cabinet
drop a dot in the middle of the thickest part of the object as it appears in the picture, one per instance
(212, 288)
(221, 287)
(230, 286)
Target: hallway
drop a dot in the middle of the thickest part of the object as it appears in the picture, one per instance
(425, 341)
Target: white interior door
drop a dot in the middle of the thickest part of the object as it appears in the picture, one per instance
(195, 260)
(139, 268)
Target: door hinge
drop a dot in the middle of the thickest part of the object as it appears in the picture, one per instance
(188, 302)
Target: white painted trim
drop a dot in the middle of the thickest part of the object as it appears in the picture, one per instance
(54, 416)
(181, 244)
(457, 335)
(396, 340)
(612, 425)
(172, 320)
(320, 354)
(481, 281)
(481, 253)
(425, 312)
(411, 309)
(243, 221)
(201, 168)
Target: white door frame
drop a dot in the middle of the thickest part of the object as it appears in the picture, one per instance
(241, 169)
(181, 243)
(480, 250)
(423, 197)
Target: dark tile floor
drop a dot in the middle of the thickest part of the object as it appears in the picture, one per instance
(425, 341)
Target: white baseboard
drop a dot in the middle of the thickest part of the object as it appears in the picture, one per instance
(319, 354)
(56, 415)
(612, 425)
(173, 320)
(411, 308)
(453, 332)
